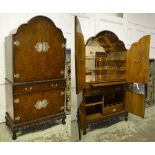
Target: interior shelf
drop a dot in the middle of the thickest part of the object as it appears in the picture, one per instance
(100, 59)
(100, 69)
(93, 104)
(108, 83)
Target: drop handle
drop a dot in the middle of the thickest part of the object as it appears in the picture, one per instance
(30, 89)
(54, 86)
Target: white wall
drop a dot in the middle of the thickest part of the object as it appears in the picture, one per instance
(9, 22)
(138, 25)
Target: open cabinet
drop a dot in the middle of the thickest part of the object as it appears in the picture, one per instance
(113, 79)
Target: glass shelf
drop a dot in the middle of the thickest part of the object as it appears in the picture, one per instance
(102, 69)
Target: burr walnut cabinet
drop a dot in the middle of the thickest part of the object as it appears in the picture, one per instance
(35, 75)
(113, 79)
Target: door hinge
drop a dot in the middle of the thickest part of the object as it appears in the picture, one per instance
(62, 72)
(16, 75)
(62, 108)
(16, 43)
(16, 100)
(63, 45)
(17, 118)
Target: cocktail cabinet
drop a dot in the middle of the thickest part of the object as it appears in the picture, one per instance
(113, 79)
(35, 75)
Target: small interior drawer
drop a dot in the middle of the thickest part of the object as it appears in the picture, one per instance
(29, 88)
(113, 108)
(54, 85)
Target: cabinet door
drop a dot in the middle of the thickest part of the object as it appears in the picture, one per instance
(27, 104)
(55, 99)
(53, 55)
(27, 55)
(137, 72)
(138, 61)
(79, 57)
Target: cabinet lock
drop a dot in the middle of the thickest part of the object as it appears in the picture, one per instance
(16, 76)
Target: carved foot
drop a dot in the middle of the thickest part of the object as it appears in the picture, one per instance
(14, 136)
(63, 121)
(84, 131)
(6, 123)
(126, 117)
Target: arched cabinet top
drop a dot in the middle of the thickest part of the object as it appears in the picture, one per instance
(108, 40)
(41, 20)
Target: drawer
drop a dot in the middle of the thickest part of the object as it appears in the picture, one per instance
(113, 108)
(29, 88)
(54, 85)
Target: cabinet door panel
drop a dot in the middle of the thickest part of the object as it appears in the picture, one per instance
(79, 57)
(138, 61)
(135, 103)
(137, 72)
(27, 60)
(56, 100)
(25, 107)
(53, 55)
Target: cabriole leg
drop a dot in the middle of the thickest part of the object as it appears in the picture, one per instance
(63, 121)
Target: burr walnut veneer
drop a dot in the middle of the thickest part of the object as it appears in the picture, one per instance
(113, 79)
(35, 75)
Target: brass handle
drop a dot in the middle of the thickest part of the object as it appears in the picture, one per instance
(41, 46)
(30, 89)
(114, 110)
(45, 46)
(54, 86)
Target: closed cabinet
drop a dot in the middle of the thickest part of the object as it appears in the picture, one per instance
(35, 71)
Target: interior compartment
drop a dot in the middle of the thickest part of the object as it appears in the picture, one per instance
(94, 109)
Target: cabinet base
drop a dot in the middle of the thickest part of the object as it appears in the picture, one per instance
(30, 125)
(104, 121)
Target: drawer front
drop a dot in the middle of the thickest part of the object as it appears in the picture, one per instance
(113, 109)
(27, 88)
(54, 85)
(32, 106)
